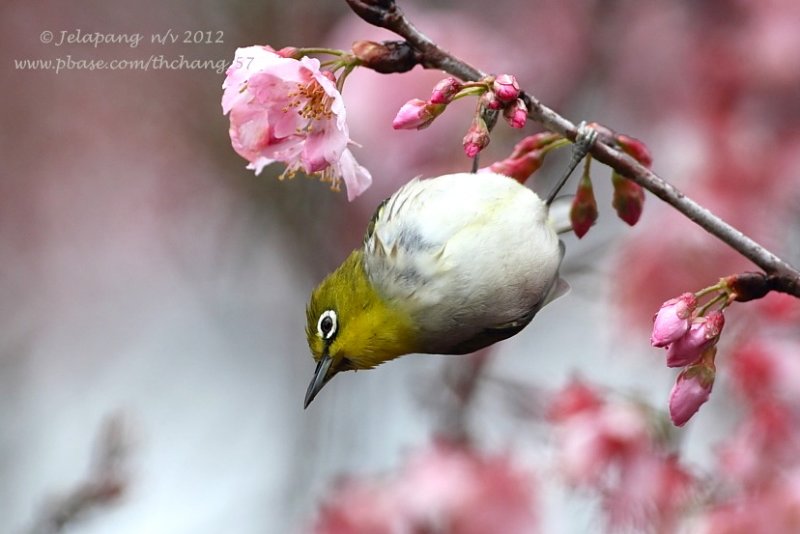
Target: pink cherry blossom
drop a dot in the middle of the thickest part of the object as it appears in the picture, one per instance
(672, 320)
(703, 333)
(761, 446)
(772, 507)
(288, 110)
(609, 446)
(653, 492)
(691, 390)
(767, 366)
(442, 486)
(593, 434)
(574, 398)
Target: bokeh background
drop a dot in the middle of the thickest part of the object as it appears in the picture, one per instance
(147, 276)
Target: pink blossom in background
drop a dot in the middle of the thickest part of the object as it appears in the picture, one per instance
(443, 488)
(767, 367)
(609, 447)
(774, 509)
(288, 110)
(654, 493)
(576, 397)
(592, 441)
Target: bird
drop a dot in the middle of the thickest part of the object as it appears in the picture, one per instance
(448, 265)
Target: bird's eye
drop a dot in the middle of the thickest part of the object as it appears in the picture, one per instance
(326, 326)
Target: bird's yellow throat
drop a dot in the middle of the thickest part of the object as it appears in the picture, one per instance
(371, 330)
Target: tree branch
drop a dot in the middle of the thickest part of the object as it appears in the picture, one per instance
(783, 277)
(105, 484)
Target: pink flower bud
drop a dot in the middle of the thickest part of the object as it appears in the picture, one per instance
(583, 212)
(702, 334)
(519, 168)
(635, 148)
(489, 100)
(445, 90)
(288, 51)
(534, 142)
(628, 198)
(416, 114)
(672, 320)
(506, 88)
(691, 390)
(516, 114)
(477, 137)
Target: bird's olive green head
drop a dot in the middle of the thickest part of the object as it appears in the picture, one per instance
(350, 326)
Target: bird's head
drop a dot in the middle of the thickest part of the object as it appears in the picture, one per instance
(350, 326)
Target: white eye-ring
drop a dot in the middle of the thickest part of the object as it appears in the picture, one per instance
(326, 326)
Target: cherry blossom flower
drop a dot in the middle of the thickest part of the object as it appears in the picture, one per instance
(609, 446)
(288, 110)
(443, 488)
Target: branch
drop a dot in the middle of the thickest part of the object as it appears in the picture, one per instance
(105, 484)
(384, 13)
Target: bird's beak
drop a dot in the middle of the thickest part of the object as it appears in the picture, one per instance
(321, 378)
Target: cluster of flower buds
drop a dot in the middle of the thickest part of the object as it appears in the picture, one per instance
(628, 199)
(527, 156)
(497, 94)
(690, 336)
(629, 196)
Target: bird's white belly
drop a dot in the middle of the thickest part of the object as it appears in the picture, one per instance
(463, 252)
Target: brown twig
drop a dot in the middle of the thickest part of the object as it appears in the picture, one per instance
(783, 277)
(462, 380)
(105, 484)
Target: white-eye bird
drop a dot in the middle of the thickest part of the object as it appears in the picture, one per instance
(449, 265)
